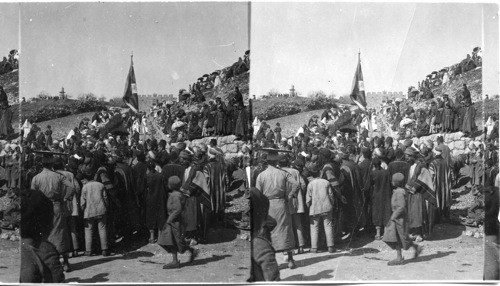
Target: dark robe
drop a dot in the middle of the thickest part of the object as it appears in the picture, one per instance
(448, 116)
(351, 190)
(6, 121)
(490, 175)
(241, 125)
(156, 200)
(220, 122)
(365, 169)
(422, 129)
(140, 170)
(194, 132)
(230, 119)
(468, 120)
(381, 197)
(40, 262)
(399, 167)
(277, 135)
(270, 136)
(441, 175)
(128, 197)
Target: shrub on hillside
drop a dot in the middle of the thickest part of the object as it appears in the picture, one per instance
(281, 109)
(54, 111)
(320, 103)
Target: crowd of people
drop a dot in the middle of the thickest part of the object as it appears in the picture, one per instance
(10, 63)
(103, 179)
(446, 75)
(214, 80)
(351, 183)
(182, 121)
(438, 115)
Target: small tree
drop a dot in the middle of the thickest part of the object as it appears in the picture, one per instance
(87, 96)
(102, 98)
(43, 95)
(316, 93)
(273, 93)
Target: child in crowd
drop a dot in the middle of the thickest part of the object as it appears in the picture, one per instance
(94, 203)
(320, 201)
(396, 231)
(171, 237)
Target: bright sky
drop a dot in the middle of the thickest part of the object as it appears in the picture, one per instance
(9, 28)
(314, 46)
(86, 47)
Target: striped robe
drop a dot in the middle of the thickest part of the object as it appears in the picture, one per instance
(196, 184)
(216, 178)
(441, 178)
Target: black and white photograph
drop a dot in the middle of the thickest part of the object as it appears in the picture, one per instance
(135, 147)
(375, 141)
(10, 155)
(135, 130)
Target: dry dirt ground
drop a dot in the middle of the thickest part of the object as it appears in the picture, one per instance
(224, 261)
(225, 257)
(448, 255)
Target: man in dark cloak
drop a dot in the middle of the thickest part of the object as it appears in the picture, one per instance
(156, 201)
(351, 189)
(129, 218)
(448, 114)
(365, 168)
(220, 122)
(140, 170)
(241, 126)
(217, 182)
(399, 165)
(380, 197)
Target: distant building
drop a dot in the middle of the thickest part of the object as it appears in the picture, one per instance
(292, 93)
(62, 94)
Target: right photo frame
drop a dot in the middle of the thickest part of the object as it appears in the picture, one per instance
(375, 141)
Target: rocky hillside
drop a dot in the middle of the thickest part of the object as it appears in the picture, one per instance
(472, 78)
(226, 88)
(10, 83)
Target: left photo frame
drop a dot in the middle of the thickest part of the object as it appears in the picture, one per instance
(135, 125)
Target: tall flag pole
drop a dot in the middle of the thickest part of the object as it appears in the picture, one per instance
(130, 96)
(358, 86)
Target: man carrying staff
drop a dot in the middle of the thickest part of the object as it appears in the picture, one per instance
(274, 183)
(59, 190)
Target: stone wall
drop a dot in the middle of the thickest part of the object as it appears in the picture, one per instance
(229, 145)
(457, 142)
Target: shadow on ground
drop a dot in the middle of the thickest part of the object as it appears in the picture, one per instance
(101, 277)
(89, 263)
(423, 258)
(325, 274)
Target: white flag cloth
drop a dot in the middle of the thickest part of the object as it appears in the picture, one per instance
(301, 130)
(71, 133)
(26, 128)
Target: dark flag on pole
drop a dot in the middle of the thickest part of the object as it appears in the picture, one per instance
(130, 95)
(358, 87)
